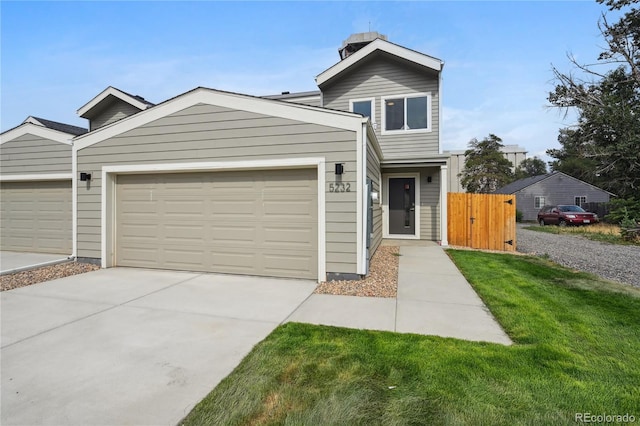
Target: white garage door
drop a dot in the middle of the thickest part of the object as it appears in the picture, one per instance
(246, 222)
(36, 216)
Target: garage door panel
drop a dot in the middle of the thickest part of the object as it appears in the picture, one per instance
(36, 216)
(282, 264)
(280, 237)
(248, 222)
(233, 234)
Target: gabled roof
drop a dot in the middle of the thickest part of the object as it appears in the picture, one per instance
(521, 184)
(202, 95)
(376, 46)
(107, 96)
(30, 128)
(55, 125)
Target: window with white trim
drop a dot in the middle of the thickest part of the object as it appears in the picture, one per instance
(406, 113)
(538, 202)
(365, 107)
(579, 200)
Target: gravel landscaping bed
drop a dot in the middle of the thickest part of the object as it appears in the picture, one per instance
(610, 261)
(47, 273)
(382, 280)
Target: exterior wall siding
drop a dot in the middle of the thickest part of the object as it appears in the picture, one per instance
(557, 189)
(211, 133)
(373, 173)
(114, 112)
(385, 77)
(30, 154)
(429, 199)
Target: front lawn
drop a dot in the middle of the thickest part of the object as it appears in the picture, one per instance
(577, 346)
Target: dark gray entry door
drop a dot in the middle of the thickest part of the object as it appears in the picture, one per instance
(402, 206)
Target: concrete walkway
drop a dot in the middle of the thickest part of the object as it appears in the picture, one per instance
(433, 299)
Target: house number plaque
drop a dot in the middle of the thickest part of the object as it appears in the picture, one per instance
(339, 187)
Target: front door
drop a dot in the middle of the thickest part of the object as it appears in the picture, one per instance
(402, 206)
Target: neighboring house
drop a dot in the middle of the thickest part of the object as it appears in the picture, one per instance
(555, 188)
(35, 187)
(514, 153)
(301, 185)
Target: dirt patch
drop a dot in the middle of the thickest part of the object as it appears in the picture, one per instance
(47, 273)
(382, 280)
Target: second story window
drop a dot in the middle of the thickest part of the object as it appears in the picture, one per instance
(363, 106)
(407, 113)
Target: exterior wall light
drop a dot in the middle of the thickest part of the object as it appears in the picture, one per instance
(339, 168)
(85, 176)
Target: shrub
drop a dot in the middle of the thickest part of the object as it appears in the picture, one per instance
(624, 208)
(519, 216)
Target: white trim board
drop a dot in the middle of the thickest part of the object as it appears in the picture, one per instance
(107, 232)
(36, 177)
(385, 206)
(36, 130)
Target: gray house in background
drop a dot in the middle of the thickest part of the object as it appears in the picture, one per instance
(35, 187)
(299, 185)
(555, 188)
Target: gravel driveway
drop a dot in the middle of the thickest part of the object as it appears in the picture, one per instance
(613, 262)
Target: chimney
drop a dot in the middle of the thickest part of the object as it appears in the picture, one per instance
(357, 41)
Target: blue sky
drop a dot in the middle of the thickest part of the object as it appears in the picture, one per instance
(56, 56)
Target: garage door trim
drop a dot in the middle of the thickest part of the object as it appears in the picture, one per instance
(109, 193)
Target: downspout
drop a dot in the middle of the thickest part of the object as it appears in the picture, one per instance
(74, 200)
(363, 201)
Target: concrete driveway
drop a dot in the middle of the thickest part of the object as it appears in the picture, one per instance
(131, 346)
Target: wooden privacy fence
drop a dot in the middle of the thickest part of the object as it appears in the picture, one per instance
(482, 221)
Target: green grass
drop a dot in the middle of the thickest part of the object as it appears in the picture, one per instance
(577, 349)
(599, 232)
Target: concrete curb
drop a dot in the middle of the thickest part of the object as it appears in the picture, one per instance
(36, 266)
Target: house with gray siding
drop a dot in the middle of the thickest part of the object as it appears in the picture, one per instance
(298, 185)
(555, 188)
(35, 187)
(399, 90)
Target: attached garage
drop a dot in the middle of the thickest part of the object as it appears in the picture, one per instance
(220, 182)
(36, 216)
(36, 201)
(253, 222)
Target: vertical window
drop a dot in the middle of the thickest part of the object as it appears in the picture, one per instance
(579, 200)
(407, 113)
(362, 107)
(366, 107)
(538, 202)
(394, 114)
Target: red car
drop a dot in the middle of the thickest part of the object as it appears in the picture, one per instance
(565, 215)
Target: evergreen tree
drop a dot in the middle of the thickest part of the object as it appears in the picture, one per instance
(530, 167)
(486, 169)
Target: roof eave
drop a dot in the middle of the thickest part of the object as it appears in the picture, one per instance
(85, 110)
(383, 46)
